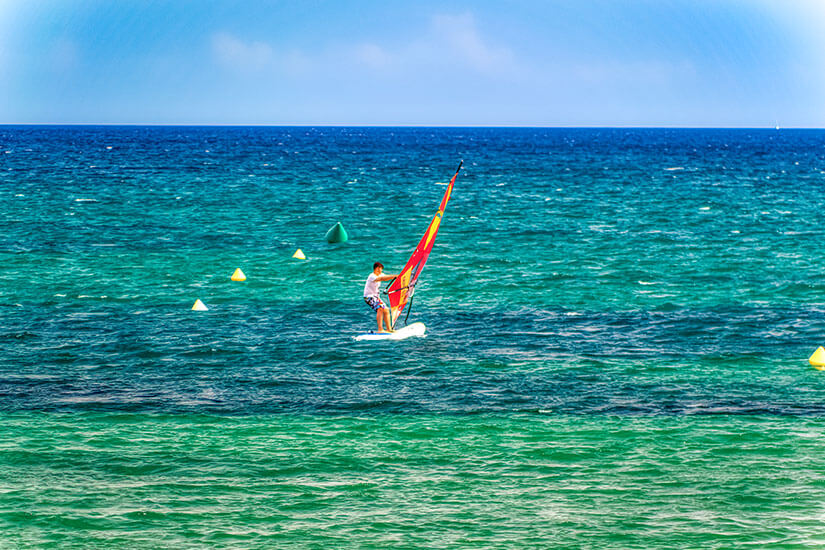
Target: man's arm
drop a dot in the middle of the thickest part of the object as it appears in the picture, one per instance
(382, 278)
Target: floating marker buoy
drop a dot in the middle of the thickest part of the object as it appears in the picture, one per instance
(299, 254)
(337, 234)
(238, 275)
(199, 306)
(818, 358)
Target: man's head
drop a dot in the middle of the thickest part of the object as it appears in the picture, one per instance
(377, 268)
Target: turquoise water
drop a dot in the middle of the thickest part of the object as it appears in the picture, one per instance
(618, 330)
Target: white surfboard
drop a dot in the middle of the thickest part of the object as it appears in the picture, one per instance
(414, 329)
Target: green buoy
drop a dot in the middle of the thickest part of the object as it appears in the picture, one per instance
(337, 234)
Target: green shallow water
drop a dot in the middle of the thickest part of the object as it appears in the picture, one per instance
(531, 480)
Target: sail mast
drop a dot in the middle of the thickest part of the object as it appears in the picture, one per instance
(403, 287)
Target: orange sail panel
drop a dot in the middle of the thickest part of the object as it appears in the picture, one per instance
(403, 287)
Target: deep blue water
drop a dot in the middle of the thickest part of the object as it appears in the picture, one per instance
(585, 271)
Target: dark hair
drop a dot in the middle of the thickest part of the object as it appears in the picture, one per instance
(376, 265)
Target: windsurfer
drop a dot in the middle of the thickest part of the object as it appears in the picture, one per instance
(372, 299)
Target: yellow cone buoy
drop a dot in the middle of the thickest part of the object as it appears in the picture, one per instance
(299, 254)
(199, 306)
(818, 358)
(238, 275)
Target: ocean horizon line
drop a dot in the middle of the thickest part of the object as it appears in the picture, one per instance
(444, 126)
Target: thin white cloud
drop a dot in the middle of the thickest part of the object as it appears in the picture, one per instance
(373, 56)
(460, 37)
(296, 62)
(236, 54)
(449, 41)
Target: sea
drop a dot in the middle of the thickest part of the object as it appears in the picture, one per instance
(618, 330)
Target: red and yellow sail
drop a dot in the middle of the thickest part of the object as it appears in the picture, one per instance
(403, 287)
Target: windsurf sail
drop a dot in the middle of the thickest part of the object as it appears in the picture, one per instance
(403, 287)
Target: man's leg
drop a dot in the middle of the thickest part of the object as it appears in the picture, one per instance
(387, 319)
(379, 317)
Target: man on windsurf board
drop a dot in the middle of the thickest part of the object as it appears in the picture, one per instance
(372, 299)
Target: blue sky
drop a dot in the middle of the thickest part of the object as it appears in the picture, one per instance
(717, 63)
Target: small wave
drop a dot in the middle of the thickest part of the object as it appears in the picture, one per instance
(646, 283)
(601, 228)
(674, 168)
(85, 200)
